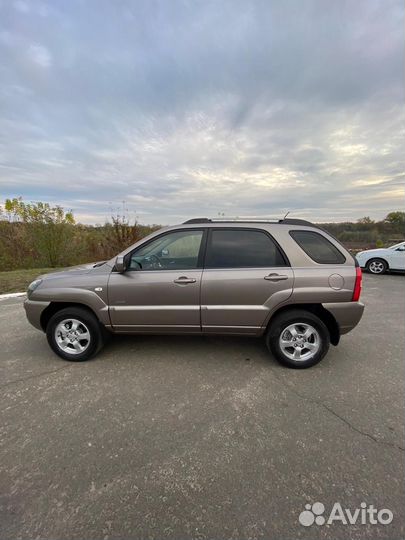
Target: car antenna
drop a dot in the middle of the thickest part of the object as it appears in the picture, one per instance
(286, 215)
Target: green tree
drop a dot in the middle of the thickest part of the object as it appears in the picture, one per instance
(38, 212)
(397, 219)
(49, 229)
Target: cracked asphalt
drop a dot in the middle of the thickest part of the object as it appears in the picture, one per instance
(202, 437)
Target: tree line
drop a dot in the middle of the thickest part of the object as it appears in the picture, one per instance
(36, 235)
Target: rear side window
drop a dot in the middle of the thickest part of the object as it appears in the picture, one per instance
(318, 247)
(241, 248)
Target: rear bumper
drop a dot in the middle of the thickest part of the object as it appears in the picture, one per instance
(346, 314)
(33, 310)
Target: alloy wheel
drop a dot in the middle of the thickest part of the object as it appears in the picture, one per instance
(72, 336)
(300, 341)
(376, 267)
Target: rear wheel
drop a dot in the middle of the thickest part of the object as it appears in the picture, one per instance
(74, 334)
(377, 266)
(298, 339)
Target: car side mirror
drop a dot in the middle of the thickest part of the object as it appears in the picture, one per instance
(120, 264)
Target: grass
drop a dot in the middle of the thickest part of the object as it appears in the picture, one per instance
(18, 280)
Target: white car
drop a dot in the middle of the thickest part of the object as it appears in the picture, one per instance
(378, 261)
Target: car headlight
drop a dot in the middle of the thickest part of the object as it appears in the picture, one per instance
(34, 285)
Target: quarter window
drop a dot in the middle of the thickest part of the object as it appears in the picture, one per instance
(318, 247)
(173, 251)
(242, 249)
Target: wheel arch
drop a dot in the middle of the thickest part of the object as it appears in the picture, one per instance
(54, 307)
(318, 310)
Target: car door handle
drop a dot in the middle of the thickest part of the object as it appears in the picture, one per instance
(276, 277)
(183, 280)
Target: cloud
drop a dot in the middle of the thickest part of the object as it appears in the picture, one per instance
(186, 109)
(21, 6)
(40, 55)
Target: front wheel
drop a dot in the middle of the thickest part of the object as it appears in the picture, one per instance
(298, 339)
(74, 334)
(377, 266)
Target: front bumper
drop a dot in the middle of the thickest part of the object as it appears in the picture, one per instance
(347, 314)
(362, 261)
(33, 310)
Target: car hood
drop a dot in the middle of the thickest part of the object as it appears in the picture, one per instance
(72, 270)
(377, 251)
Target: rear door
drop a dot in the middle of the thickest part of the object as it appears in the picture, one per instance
(245, 275)
(160, 291)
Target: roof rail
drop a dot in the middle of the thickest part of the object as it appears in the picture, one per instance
(197, 220)
(293, 221)
(285, 221)
(247, 219)
(238, 219)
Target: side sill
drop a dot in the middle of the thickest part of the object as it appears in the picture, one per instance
(233, 330)
(155, 329)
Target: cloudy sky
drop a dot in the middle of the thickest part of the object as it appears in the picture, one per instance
(189, 108)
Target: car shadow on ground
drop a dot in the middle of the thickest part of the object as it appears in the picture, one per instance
(231, 351)
(242, 347)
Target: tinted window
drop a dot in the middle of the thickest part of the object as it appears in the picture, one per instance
(242, 249)
(173, 251)
(318, 247)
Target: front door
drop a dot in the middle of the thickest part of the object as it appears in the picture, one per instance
(160, 290)
(397, 258)
(245, 275)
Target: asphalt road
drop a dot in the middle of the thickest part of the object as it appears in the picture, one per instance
(201, 437)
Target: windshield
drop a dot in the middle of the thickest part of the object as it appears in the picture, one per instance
(397, 245)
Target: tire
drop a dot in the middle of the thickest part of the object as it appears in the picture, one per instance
(311, 341)
(377, 266)
(65, 328)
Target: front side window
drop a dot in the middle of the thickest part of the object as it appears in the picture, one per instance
(318, 247)
(173, 251)
(241, 248)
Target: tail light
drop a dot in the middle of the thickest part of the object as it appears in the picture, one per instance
(357, 285)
